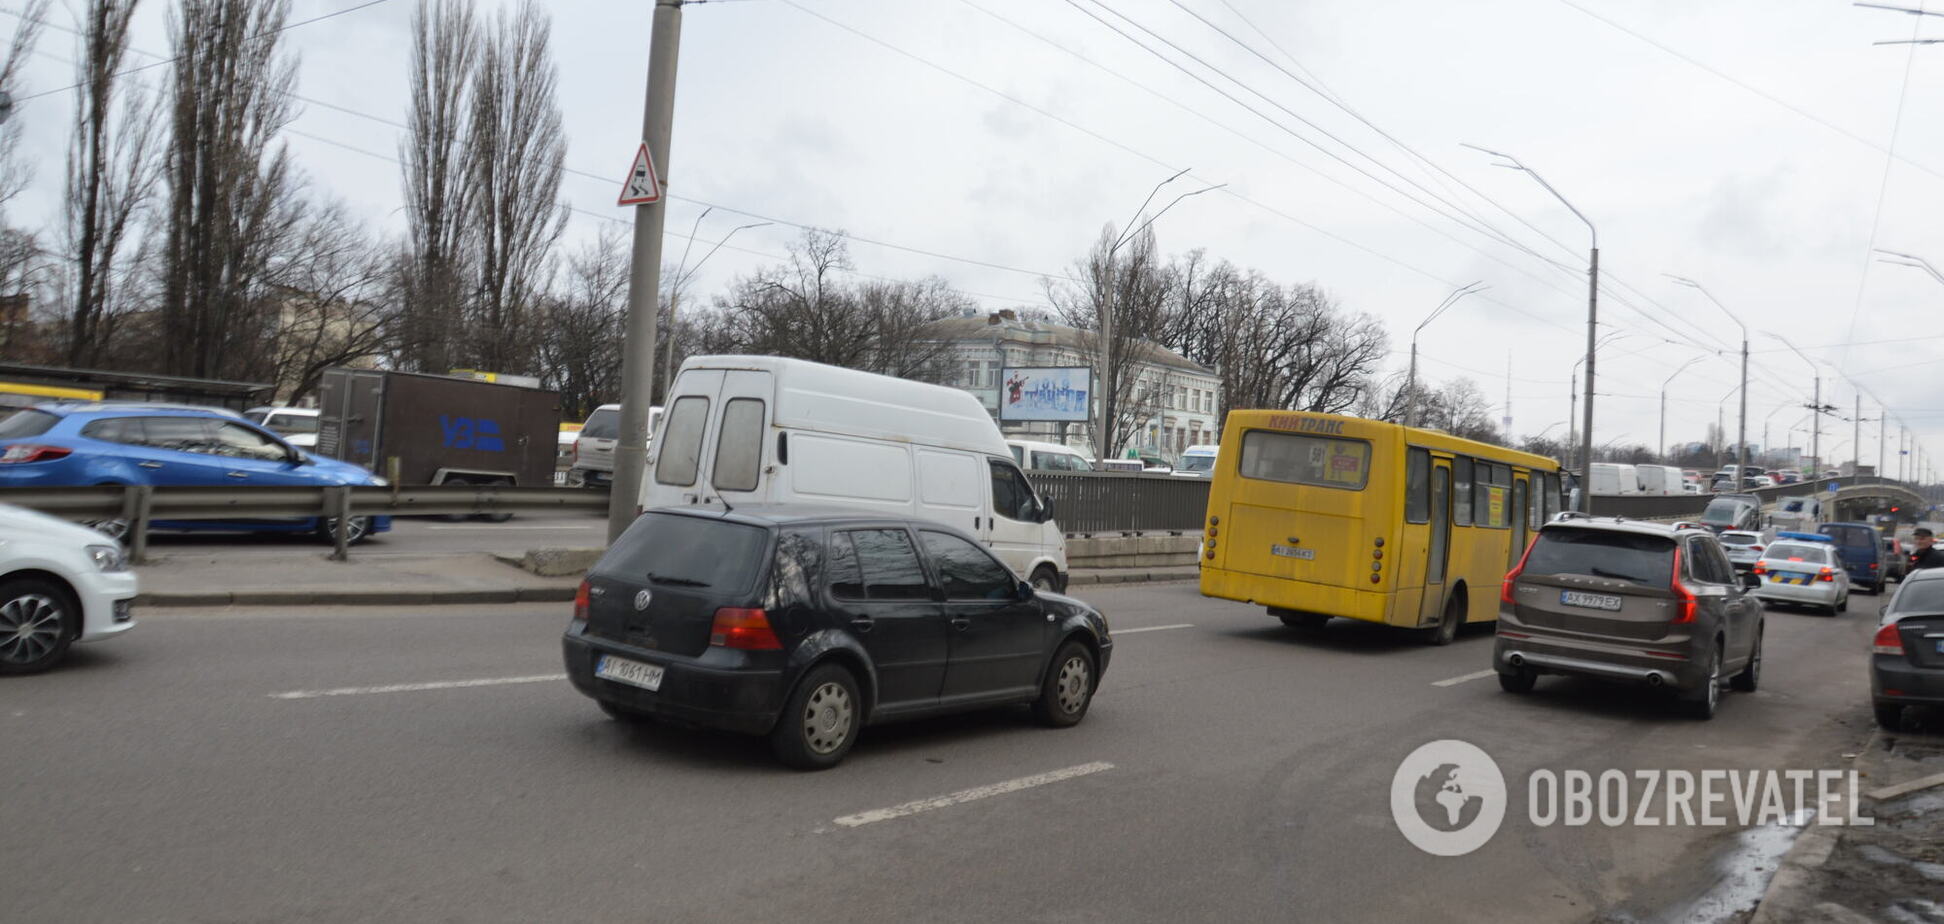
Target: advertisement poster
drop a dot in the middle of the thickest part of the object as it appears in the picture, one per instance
(1045, 393)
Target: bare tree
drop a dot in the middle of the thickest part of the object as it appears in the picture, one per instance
(1130, 286)
(439, 194)
(231, 189)
(111, 176)
(580, 348)
(14, 176)
(331, 306)
(517, 154)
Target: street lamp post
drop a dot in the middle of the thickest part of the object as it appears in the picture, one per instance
(1741, 439)
(683, 273)
(1663, 405)
(1592, 306)
(1410, 378)
(1106, 387)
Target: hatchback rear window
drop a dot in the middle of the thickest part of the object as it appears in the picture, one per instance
(27, 422)
(1735, 537)
(1926, 597)
(602, 425)
(682, 551)
(1640, 559)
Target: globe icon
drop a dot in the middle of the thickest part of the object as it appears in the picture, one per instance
(1442, 802)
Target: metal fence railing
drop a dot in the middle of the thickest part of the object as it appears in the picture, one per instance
(139, 506)
(1113, 502)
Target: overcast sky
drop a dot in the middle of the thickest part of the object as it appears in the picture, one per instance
(1740, 143)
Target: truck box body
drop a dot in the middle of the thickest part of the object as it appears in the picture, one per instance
(439, 428)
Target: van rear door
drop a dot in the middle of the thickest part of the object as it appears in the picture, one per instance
(738, 457)
(714, 438)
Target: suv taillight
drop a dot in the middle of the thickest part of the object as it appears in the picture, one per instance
(1887, 641)
(747, 629)
(1681, 592)
(581, 602)
(1511, 577)
(25, 452)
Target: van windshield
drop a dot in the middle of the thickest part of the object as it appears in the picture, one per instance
(1196, 464)
(1632, 557)
(602, 425)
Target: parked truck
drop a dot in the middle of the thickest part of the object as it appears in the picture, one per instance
(439, 429)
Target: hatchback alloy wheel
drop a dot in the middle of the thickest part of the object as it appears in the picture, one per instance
(33, 630)
(1076, 679)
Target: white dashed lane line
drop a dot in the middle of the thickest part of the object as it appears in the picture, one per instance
(418, 687)
(1454, 681)
(971, 795)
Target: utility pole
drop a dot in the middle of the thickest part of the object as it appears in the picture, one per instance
(1815, 434)
(1856, 439)
(1883, 441)
(644, 275)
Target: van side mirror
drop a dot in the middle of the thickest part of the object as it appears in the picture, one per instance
(1046, 510)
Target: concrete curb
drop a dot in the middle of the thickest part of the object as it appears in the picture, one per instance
(1790, 891)
(556, 594)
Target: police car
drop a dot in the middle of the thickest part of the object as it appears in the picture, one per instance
(1802, 569)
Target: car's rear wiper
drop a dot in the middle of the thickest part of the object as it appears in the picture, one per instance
(1602, 572)
(676, 581)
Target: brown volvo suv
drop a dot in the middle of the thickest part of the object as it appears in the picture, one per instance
(1629, 601)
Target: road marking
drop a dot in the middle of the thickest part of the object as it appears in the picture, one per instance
(415, 687)
(1454, 681)
(971, 795)
(501, 527)
(1181, 625)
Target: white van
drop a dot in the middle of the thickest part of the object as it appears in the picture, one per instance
(1658, 480)
(768, 430)
(1606, 479)
(1047, 457)
(297, 425)
(1797, 514)
(593, 457)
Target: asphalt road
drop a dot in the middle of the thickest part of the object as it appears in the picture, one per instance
(408, 536)
(160, 777)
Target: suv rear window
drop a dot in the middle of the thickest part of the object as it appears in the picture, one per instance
(27, 422)
(601, 425)
(1640, 559)
(682, 551)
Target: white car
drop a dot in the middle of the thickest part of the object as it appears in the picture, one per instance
(1803, 572)
(59, 584)
(1047, 457)
(297, 425)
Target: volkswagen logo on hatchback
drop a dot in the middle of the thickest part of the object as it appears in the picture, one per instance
(641, 600)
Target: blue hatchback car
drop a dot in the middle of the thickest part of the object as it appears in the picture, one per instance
(73, 445)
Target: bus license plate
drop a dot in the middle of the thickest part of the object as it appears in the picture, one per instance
(1590, 601)
(1290, 551)
(632, 673)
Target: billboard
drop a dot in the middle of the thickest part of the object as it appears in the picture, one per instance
(1046, 393)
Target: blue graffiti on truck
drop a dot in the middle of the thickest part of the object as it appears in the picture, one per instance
(471, 433)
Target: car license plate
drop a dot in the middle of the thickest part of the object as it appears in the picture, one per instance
(1790, 577)
(1289, 551)
(1589, 601)
(632, 673)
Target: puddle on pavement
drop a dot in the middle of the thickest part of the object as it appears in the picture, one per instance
(1745, 871)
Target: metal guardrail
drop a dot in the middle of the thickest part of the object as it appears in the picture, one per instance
(1649, 507)
(142, 505)
(1116, 502)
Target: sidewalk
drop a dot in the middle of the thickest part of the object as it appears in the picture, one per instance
(307, 578)
(1891, 871)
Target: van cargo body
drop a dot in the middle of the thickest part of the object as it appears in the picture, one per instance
(439, 428)
(767, 430)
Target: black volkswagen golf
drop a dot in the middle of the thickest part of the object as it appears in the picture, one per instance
(806, 625)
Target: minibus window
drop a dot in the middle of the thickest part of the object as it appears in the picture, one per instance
(1417, 487)
(1461, 496)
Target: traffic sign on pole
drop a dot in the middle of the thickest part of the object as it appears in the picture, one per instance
(643, 187)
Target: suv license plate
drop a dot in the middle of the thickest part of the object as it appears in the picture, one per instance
(632, 673)
(1590, 601)
(1289, 551)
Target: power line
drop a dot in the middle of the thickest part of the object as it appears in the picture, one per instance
(1883, 189)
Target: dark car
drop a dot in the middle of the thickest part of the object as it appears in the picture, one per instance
(1742, 512)
(807, 625)
(1907, 655)
(1861, 548)
(1896, 562)
(1629, 601)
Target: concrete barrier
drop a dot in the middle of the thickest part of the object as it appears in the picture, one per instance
(1132, 552)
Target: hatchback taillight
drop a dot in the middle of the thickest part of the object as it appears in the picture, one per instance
(581, 602)
(747, 629)
(25, 452)
(1887, 641)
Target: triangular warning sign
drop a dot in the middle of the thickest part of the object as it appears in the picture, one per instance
(642, 187)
